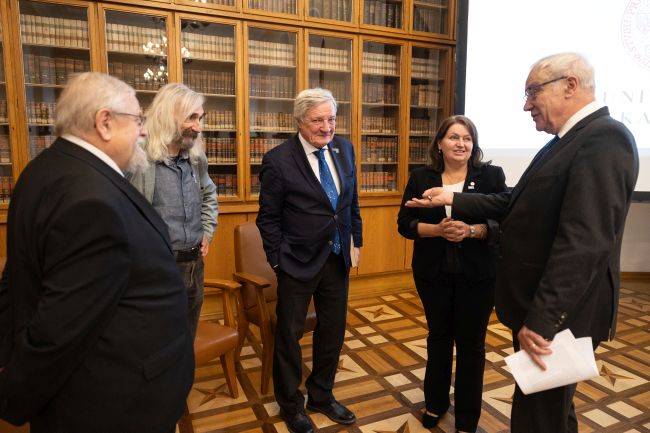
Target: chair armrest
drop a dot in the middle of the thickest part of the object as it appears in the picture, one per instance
(255, 280)
(229, 285)
(230, 291)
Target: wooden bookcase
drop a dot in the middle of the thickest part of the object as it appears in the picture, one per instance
(389, 64)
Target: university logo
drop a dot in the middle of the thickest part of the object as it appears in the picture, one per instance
(635, 31)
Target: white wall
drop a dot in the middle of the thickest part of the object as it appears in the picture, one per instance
(635, 255)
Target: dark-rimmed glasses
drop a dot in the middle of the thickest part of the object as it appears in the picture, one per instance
(532, 91)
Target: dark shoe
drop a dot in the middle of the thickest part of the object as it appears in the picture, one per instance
(297, 422)
(429, 421)
(334, 411)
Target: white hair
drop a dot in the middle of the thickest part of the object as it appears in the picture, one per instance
(173, 104)
(309, 98)
(569, 64)
(84, 95)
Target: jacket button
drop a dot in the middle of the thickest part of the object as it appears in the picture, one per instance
(330, 243)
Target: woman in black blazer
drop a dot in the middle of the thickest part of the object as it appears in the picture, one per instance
(454, 269)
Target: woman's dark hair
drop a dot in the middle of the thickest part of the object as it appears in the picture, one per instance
(437, 161)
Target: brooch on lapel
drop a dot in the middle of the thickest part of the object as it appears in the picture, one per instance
(335, 149)
(471, 185)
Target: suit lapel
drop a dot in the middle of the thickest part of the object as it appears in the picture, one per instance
(305, 169)
(140, 202)
(339, 162)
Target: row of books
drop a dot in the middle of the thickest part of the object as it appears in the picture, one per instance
(379, 149)
(226, 184)
(382, 13)
(38, 143)
(329, 58)
(134, 39)
(378, 124)
(272, 121)
(259, 146)
(4, 118)
(136, 76)
(6, 188)
(220, 150)
(340, 10)
(422, 126)
(218, 119)
(419, 149)
(271, 53)
(378, 181)
(439, 3)
(272, 86)
(339, 88)
(255, 184)
(63, 32)
(425, 68)
(429, 20)
(380, 93)
(282, 6)
(52, 70)
(380, 63)
(5, 150)
(214, 82)
(41, 113)
(209, 47)
(425, 95)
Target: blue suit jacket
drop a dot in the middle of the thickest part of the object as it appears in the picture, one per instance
(296, 219)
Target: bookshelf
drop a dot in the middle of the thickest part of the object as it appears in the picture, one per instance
(137, 46)
(6, 165)
(272, 83)
(384, 13)
(277, 6)
(426, 101)
(431, 16)
(55, 44)
(329, 62)
(380, 119)
(209, 65)
(338, 10)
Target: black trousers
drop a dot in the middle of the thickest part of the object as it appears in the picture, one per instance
(329, 288)
(546, 411)
(457, 311)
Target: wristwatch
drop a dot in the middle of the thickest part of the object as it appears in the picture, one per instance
(472, 231)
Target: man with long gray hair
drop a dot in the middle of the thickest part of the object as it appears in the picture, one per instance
(99, 340)
(177, 183)
(309, 211)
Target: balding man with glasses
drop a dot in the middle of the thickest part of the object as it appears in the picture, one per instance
(561, 229)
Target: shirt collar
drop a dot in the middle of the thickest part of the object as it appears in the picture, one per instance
(578, 116)
(94, 150)
(308, 147)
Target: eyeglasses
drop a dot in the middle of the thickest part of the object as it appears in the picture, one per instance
(331, 121)
(139, 118)
(532, 91)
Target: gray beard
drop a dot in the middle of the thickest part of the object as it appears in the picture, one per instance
(138, 162)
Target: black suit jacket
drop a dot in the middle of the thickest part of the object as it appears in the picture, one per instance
(562, 227)
(101, 341)
(296, 219)
(477, 256)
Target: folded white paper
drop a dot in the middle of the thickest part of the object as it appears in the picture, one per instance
(572, 361)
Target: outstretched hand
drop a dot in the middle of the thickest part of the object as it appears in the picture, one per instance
(432, 197)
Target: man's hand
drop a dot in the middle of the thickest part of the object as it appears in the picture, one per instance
(433, 197)
(357, 250)
(205, 246)
(535, 345)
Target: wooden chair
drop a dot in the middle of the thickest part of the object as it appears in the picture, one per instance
(217, 341)
(258, 296)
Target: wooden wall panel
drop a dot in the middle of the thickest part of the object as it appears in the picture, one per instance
(383, 247)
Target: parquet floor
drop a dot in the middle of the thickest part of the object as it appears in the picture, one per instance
(382, 366)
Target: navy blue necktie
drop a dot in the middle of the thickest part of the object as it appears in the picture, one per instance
(327, 181)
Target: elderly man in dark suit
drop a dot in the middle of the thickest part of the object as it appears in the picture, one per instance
(562, 225)
(309, 211)
(100, 339)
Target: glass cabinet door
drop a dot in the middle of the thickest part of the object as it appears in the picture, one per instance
(339, 10)
(136, 50)
(272, 80)
(55, 44)
(431, 16)
(6, 166)
(208, 56)
(386, 13)
(428, 66)
(380, 117)
(330, 67)
(278, 6)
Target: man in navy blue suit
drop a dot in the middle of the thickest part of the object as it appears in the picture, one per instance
(309, 211)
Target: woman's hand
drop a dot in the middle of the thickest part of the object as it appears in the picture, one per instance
(453, 230)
